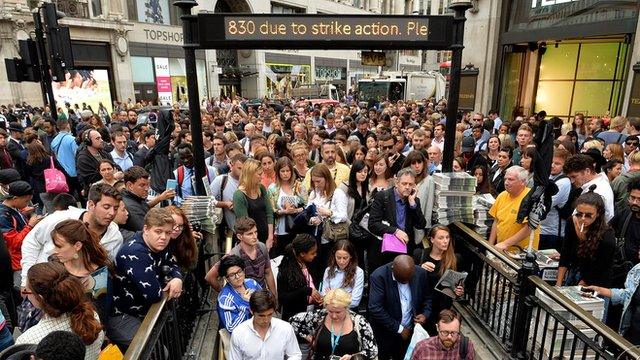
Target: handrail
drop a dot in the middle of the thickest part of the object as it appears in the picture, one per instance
(146, 328)
(485, 244)
(586, 317)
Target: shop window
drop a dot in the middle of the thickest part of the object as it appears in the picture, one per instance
(597, 61)
(142, 69)
(153, 11)
(582, 77)
(592, 97)
(559, 62)
(554, 97)
(511, 84)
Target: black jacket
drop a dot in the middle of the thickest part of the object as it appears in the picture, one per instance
(137, 208)
(292, 297)
(498, 182)
(88, 167)
(385, 313)
(383, 208)
(139, 158)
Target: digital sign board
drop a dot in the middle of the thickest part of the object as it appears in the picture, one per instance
(312, 31)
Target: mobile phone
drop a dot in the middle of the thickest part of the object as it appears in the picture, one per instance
(413, 191)
(172, 184)
(585, 290)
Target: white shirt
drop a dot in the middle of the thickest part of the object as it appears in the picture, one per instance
(279, 343)
(37, 245)
(438, 143)
(49, 324)
(338, 204)
(603, 188)
(125, 161)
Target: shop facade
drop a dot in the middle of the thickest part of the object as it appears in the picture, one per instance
(565, 57)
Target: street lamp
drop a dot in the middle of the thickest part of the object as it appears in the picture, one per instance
(459, 8)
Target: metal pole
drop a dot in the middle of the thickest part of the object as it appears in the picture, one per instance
(454, 85)
(43, 61)
(188, 28)
(523, 289)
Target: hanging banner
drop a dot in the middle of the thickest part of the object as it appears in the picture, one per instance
(163, 81)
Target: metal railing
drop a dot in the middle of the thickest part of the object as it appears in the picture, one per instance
(165, 331)
(168, 328)
(528, 317)
(491, 283)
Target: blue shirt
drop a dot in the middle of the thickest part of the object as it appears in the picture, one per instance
(64, 146)
(401, 212)
(404, 291)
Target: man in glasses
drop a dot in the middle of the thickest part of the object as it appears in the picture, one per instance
(449, 344)
(580, 169)
(387, 143)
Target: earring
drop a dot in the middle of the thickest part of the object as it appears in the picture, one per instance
(75, 256)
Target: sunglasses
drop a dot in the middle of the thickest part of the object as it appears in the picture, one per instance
(631, 143)
(387, 147)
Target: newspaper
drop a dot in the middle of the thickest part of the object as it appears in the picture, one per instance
(449, 281)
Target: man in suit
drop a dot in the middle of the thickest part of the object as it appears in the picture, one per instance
(395, 211)
(399, 298)
(15, 146)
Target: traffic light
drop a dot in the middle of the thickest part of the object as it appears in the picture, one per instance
(25, 68)
(58, 42)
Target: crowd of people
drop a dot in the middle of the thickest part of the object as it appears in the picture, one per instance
(307, 193)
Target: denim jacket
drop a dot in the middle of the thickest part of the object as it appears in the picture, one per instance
(625, 295)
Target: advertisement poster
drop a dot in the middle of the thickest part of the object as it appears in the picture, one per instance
(179, 88)
(153, 11)
(89, 87)
(163, 81)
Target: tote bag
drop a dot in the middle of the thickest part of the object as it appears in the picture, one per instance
(54, 180)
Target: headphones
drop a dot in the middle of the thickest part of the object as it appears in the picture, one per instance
(86, 137)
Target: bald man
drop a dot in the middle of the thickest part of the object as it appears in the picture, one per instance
(399, 297)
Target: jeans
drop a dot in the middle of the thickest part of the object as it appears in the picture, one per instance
(6, 339)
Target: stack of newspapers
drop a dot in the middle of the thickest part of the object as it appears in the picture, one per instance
(453, 197)
(202, 210)
(482, 219)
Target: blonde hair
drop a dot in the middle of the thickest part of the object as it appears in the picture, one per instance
(634, 158)
(592, 144)
(248, 179)
(618, 121)
(338, 298)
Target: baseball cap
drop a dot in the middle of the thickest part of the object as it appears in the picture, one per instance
(468, 144)
(19, 188)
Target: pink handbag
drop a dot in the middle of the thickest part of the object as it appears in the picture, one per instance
(54, 180)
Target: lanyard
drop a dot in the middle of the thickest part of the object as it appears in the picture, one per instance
(335, 339)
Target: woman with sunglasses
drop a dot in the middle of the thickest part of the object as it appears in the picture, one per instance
(233, 300)
(588, 250)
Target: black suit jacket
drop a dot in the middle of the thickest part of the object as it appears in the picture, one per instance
(498, 183)
(383, 208)
(15, 149)
(385, 311)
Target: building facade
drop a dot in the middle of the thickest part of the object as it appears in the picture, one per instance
(564, 57)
